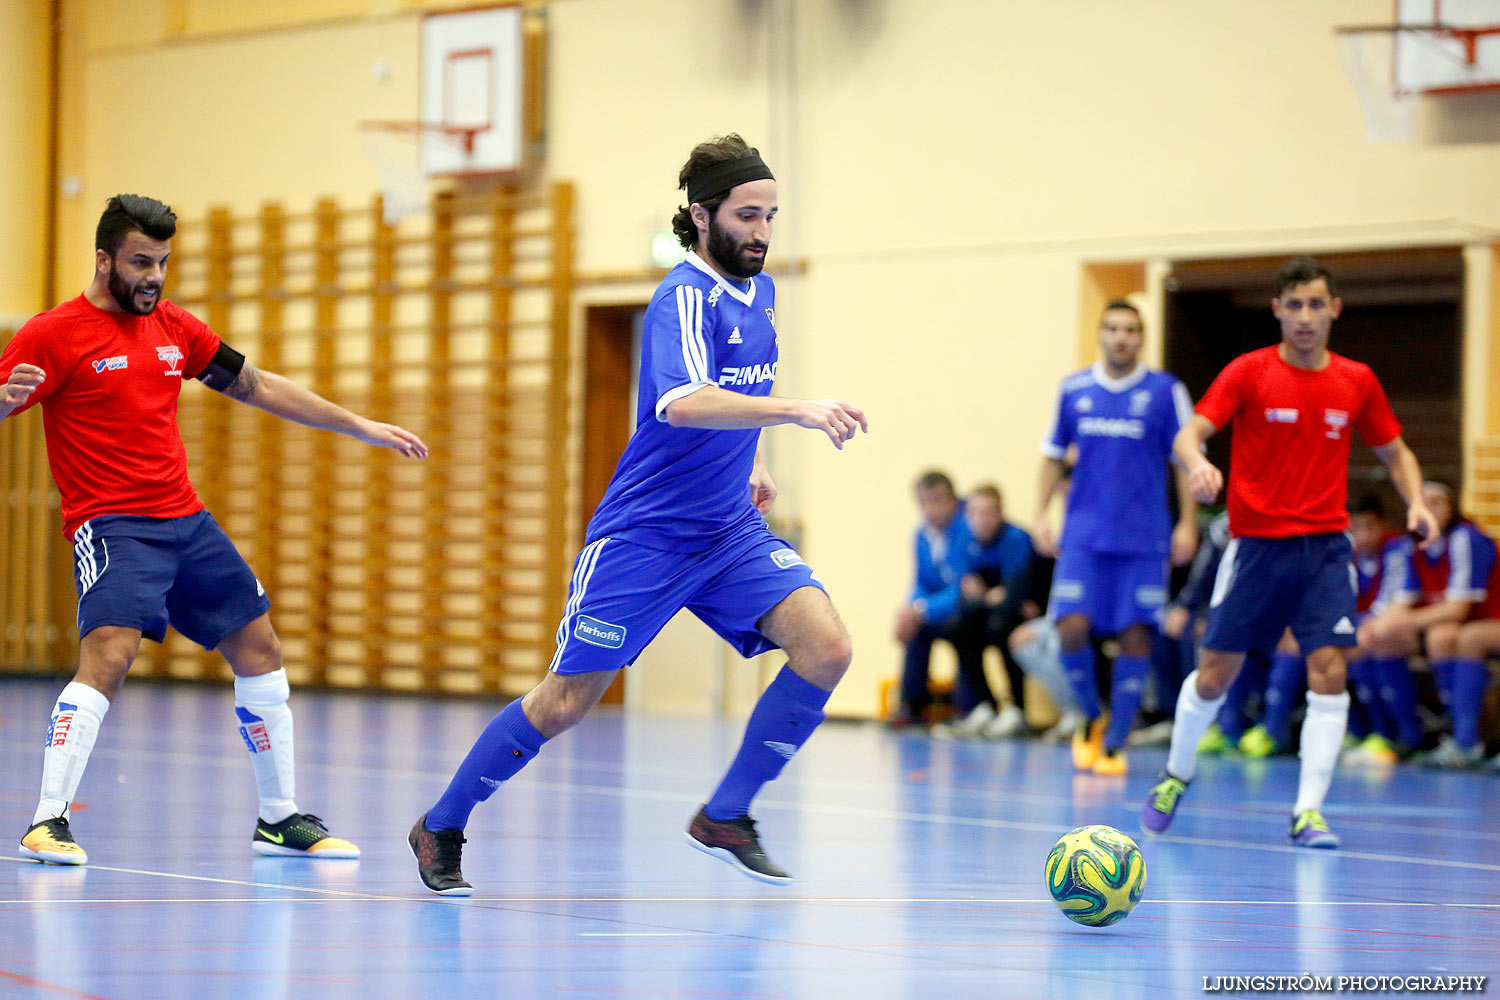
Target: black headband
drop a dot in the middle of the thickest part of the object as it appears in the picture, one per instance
(718, 179)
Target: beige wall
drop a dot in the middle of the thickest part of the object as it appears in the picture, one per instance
(947, 170)
(23, 124)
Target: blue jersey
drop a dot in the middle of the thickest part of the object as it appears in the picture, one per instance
(940, 567)
(1123, 429)
(685, 488)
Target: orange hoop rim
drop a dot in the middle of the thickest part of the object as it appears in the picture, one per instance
(464, 135)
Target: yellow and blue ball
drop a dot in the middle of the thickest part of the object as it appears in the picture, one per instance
(1096, 875)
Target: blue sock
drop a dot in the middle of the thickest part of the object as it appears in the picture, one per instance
(507, 744)
(1442, 676)
(1288, 674)
(786, 715)
(1079, 666)
(1470, 678)
(1125, 698)
(1398, 694)
(1365, 715)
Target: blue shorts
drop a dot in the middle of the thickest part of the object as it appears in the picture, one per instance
(150, 572)
(1265, 585)
(1114, 591)
(623, 594)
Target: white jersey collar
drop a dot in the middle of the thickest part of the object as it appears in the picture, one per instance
(744, 295)
(1130, 381)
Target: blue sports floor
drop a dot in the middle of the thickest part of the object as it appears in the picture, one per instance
(919, 867)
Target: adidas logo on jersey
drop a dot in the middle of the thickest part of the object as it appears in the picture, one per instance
(735, 338)
(1344, 627)
(785, 749)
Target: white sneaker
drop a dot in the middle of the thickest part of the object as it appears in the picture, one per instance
(970, 726)
(1009, 723)
(1065, 728)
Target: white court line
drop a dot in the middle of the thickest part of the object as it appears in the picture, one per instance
(342, 893)
(639, 933)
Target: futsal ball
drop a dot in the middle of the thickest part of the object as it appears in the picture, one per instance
(1096, 875)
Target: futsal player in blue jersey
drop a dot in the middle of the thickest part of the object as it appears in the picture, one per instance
(680, 526)
(1111, 575)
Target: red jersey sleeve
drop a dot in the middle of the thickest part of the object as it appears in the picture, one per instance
(201, 341)
(1376, 423)
(32, 346)
(1222, 400)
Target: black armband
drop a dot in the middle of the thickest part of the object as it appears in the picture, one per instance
(223, 369)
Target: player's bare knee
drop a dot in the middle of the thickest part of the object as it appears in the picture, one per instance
(1072, 633)
(826, 662)
(1442, 640)
(1326, 673)
(1135, 641)
(1470, 645)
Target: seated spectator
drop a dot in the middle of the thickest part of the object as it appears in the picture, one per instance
(1437, 592)
(931, 610)
(1458, 650)
(993, 594)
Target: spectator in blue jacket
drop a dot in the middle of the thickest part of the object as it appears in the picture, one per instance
(994, 594)
(931, 610)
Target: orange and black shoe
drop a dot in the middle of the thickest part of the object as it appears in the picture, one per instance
(300, 835)
(735, 841)
(1088, 741)
(51, 841)
(1111, 763)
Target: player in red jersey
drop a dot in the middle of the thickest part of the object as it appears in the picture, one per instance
(107, 368)
(1294, 407)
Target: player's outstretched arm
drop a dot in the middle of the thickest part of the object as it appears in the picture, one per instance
(19, 386)
(1204, 479)
(282, 397)
(712, 408)
(1406, 476)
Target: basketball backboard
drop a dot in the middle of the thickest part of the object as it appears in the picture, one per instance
(472, 80)
(1448, 46)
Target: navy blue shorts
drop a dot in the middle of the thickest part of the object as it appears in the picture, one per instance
(1113, 590)
(623, 594)
(1266, 584)
(150, 572)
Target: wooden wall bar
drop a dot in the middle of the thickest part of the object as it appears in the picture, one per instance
(30, 531)
(384, 572)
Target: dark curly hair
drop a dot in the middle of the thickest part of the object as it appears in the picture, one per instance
(706, 154)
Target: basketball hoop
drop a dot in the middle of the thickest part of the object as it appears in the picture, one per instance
(1392, 65)
(1369, 57)
(399, 151)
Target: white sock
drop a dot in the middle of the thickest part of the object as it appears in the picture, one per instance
(70, 739)
(1322, 738)
(265, 724)
(1194, 716)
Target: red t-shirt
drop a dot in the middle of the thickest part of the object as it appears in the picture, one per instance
(109, 405)
(1290, 456)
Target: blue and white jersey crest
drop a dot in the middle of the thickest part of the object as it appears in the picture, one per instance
(683, 487)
